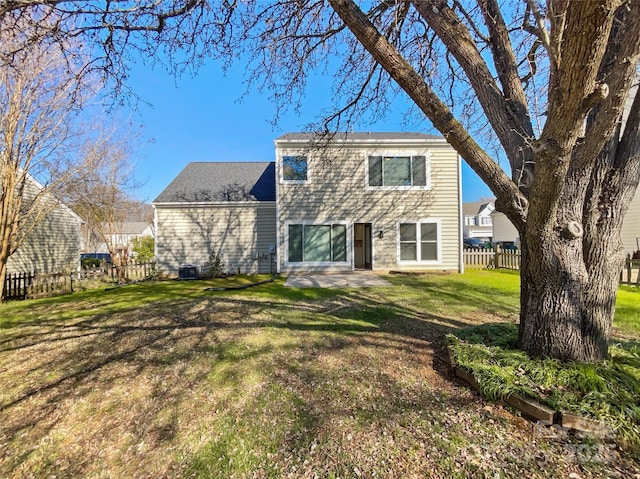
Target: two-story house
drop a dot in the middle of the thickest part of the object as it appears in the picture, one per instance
(377, 201)
(478, 220)
(119, 235)
(362, 201)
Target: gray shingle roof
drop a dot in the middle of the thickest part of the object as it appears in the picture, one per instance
(134, 227)
(360, 136)
(474, 207)
(222, 181)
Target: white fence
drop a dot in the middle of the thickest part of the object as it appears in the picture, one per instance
(510, 259)
(488, 258)
(630, 275)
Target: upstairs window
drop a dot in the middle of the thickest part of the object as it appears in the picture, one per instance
(397, 171)
(294, 168)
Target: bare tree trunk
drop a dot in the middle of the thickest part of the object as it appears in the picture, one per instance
(4, 251)
(572, 263)
(3, 277)
(580, 175)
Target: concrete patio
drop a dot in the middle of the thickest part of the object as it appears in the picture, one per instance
(356, 279)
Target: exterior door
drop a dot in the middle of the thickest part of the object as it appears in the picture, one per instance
(362, 245)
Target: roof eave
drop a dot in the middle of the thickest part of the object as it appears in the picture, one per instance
(210, 203)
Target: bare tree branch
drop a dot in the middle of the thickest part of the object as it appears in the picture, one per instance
(438, 113)
(510, 122)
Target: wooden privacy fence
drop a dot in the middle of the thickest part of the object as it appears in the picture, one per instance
(108, 272)
(135, 271)
(34, 285)
(508, 259)
(37, 285)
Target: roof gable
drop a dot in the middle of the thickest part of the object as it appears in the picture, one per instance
(134, 227)
(478, 208)
(221, 182)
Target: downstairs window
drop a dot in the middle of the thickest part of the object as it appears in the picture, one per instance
(317, 243)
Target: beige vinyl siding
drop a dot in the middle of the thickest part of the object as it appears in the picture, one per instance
(53, 246)
(337, 192)
(240, 233)
(503, 229)
(631, 225)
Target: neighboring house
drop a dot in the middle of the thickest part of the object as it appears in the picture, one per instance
(225, 208)
(503, 229)
(478, 220)
(52, 246)
(630, 232)
(130, 230)
(631, 226)
(377, 201)
(120, 237)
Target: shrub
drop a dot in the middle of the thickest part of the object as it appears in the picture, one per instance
(90, 262)
(215, 267)
(144, 248)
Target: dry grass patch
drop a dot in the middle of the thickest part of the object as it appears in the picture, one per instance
(260, 383)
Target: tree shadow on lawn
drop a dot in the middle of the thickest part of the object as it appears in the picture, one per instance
(48, 370)
(463, 293)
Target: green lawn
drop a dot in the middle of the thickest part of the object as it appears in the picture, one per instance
(627, 318)
(170, 380)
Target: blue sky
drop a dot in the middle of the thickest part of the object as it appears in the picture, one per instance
(206, 118)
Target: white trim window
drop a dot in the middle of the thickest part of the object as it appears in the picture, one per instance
(295, 169)
(317, 243)
(470, 221)
(398, 171)
(419, 241)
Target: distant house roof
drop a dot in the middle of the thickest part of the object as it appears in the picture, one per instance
(475, 208)
(360, 136)
(134, 227)
(219, 182)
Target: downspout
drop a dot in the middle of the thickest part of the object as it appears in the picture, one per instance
(460, 218)
(155, 228)
(277, 180)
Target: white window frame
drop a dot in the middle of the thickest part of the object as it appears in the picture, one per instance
(348, 243)
(438, 223)
(283, 180)
(398, 153)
